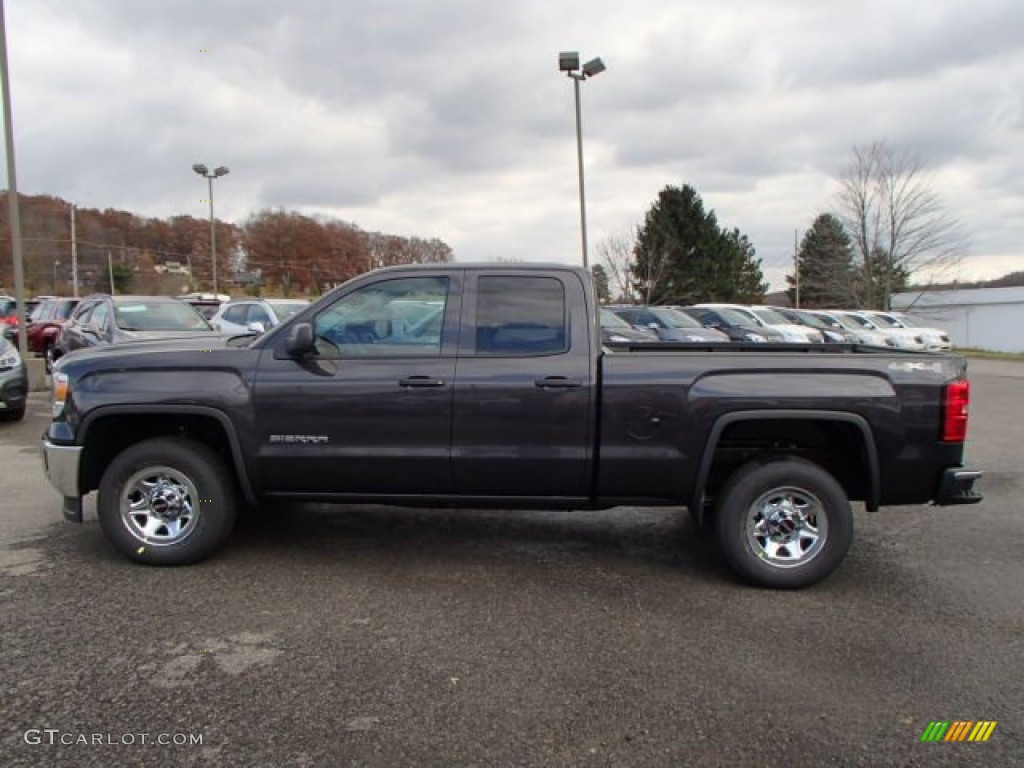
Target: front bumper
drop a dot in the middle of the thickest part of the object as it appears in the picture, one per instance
(13, 387)
(957, 487)
(61, 463)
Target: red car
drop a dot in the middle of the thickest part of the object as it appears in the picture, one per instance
(44, 327)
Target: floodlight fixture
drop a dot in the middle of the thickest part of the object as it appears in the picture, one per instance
(568, 61)
(201, 169)
(593, 67)
(223, 170)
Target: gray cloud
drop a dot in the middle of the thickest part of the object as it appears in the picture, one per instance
(449, 119)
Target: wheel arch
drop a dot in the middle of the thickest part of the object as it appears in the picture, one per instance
(108, 430)
(797, 424)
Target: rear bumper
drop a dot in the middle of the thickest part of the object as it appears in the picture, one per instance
(957, 487)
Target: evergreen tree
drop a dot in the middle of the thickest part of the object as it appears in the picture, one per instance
(684, 257)
(828, 277)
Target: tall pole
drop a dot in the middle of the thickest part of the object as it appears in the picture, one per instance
(213, 237)
(12, 188)
(74, 256)
(579, 158)
(796, 269)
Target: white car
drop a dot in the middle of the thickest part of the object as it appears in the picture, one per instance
(934, 339)
(904, 338)
(765, 317)
(255, 315)
(863, 334)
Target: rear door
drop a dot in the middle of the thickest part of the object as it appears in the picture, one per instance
(524, 392)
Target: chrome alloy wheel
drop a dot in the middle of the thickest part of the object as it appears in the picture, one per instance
(159, 506)
(786, 527)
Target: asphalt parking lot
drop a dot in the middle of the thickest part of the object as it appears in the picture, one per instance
(378, 636)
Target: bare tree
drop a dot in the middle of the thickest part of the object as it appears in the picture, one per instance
(630, 279)
(616, 254)
(899, 225)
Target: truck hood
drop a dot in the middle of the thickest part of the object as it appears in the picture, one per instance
(164, 341)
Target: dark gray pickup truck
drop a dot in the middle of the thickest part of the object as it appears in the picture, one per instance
(487, 385)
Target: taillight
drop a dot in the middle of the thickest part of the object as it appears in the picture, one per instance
(954, 411)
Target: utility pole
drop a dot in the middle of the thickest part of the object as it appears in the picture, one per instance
(74, 255)
(796, 269)
(12, 189)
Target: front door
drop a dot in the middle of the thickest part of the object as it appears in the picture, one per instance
(370, 412)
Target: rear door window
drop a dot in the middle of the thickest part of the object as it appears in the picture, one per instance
(519, 315)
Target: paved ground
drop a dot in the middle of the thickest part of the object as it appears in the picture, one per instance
(385, 637)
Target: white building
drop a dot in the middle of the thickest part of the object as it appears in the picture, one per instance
(982, 318)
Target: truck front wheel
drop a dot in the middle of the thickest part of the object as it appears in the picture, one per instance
(167, 501)
(784, 523)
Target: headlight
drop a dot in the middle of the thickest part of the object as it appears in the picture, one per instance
(10, 358)
(61, 389)
(757, 337)
(617, 337)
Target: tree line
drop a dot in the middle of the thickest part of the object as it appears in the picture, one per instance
(887, 225)
(292, 253)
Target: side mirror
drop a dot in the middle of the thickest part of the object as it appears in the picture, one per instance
(255, 327)
(300, 342)
(653, 326)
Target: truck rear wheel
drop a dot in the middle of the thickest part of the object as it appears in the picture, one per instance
(167, 501)
(784, 523)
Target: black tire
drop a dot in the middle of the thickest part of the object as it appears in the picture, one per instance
(167, 501)
(806, 533)
(49, 356)
(13, 414)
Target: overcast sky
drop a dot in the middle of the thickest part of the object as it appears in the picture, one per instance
(449, 118)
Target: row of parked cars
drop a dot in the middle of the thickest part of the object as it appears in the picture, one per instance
(59, 325)
(759, 324)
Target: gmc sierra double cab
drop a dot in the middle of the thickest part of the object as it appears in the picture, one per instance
(488, 386)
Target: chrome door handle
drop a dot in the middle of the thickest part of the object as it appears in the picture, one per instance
(557, 382)
(420, 381)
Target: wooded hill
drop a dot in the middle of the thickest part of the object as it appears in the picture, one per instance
(290, 253)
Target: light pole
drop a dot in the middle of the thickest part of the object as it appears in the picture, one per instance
(569, 62)
(203, 171)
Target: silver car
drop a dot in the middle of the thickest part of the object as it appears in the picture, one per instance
(13, 382)
(255, 315)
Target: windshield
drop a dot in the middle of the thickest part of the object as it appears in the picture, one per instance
(610, 320)
(144, 315)
(770, 316)
(883, 321)
(859, 322)
(285, 309)
(812, 320)
(673, 318)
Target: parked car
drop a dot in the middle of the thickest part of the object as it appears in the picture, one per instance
(900, 337)
(44, 327)
(615, 329)
(13, 382)
(934, 339)
(765, 318)
(831, 335)
(9, 318)
(736, 325)
(207, 303)
(670, 324)
(862, 334)
(102, 319)
(254, 315)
